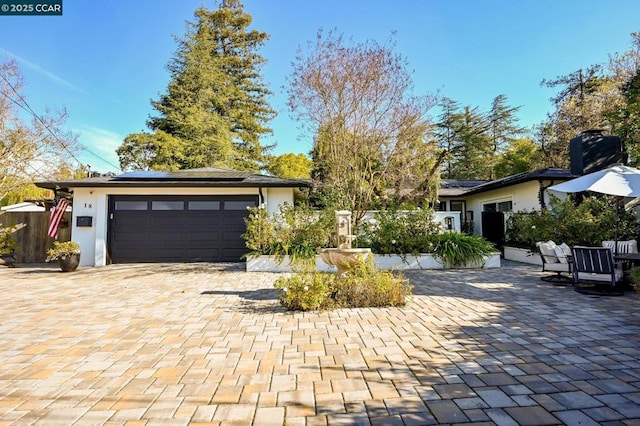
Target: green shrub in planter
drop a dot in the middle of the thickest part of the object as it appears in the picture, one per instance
(458, 249)
(588, 223)
(62, 250)
(399, 232)
(295, 231)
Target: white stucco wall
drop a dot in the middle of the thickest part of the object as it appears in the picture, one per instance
(275, 197)
(524, 196)
(438, 217)
(94, 202)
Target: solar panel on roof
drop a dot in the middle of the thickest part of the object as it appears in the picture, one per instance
(201, 174)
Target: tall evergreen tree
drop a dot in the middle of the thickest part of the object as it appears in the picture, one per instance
(475, 146)
(503, 128)
(216, 100)
(449, 121)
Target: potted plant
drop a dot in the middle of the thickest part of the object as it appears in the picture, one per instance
(66, 253)
(8, 248)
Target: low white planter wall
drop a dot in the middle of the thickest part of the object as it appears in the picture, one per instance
(395, 261)
(522, 255)
(271, 264)
(422, 261)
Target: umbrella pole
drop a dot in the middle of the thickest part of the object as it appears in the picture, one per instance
(615, 238)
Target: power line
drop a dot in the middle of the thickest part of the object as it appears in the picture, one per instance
(28, 108)
(37, 117)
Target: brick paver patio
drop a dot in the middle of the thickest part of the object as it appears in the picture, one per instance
(209, 344)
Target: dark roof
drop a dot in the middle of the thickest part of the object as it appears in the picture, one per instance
(550, 174)
(207, 177)
(457, 187)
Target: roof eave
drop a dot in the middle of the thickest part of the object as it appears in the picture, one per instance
(527, 177)
(58, 185)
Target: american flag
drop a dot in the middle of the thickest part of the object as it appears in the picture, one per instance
(59, 207)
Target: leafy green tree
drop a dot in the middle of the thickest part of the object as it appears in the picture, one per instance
(594, 97)
(578, 107)
(624, 116)
(215, 104)
(626, 119)
(144, 151)
(521, 155)
(290, 165)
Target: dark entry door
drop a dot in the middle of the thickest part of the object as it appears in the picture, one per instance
(493, 228)
(177, 228)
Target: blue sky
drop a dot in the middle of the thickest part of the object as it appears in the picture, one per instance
(105, 60)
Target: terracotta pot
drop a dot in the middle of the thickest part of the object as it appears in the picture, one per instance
(69, 264)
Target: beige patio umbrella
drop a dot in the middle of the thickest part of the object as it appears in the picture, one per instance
(618, 180)
(622, 181)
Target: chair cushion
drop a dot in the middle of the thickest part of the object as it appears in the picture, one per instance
(630, 246)
(565, 249)
(562, 252)
(600, 277)
(557, 267)
(548, 252)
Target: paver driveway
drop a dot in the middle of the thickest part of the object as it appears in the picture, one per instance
(206, 343)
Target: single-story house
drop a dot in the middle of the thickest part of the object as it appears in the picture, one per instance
(198, 215)
(485, 203)
(181, 216)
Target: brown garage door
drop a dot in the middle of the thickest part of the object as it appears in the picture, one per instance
(177, 228)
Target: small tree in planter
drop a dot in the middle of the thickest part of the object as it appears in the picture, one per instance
(8, 247)
(295, 231)
(67, 254)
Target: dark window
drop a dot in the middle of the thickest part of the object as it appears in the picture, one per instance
(505, 206)
(167, 205)
(491, 207)
(502, 207)
(456, 206)
(204, 205)
(131, 205)
(238, 205)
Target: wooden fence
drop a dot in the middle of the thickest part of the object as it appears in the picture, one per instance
(30, 233)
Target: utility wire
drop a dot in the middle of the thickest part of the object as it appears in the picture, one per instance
(28, 108)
